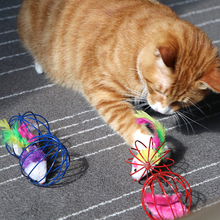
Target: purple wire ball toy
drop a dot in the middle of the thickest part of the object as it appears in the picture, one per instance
(42, 157)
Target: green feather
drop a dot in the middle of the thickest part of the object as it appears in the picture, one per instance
(12, 136)
(160, 129)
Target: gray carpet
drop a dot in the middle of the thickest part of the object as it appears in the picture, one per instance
(97, 184)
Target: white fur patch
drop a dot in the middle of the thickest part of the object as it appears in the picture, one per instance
(38, 68)
(144, 138)
(157, 107)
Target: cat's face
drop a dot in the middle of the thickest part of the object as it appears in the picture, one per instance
(171, 99)
(171, 84)
(167, 92)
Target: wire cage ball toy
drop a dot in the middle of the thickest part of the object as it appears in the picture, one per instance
(27, 126)
(46, 164)
(165, 195)
(174, 199)
(148, 160)
(42, 157)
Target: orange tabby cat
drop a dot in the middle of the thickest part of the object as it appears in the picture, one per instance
(113, 50)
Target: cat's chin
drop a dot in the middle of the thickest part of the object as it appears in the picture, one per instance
(158, 108)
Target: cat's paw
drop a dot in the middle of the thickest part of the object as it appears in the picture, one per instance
(38, 68)
(144, 138)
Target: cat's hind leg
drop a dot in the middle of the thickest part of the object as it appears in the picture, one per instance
(38, 68)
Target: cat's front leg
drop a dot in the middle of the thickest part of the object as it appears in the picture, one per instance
(119, 114)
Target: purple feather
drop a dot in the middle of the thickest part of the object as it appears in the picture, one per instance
(32, 156)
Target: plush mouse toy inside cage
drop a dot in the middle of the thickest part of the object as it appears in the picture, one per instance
(45, 160)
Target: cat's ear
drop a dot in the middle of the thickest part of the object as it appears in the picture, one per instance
(167, 54)
(210, 80)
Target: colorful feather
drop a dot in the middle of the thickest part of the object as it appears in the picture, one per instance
(12, 136)
(156, 126)
(152, 157)
(4, 125)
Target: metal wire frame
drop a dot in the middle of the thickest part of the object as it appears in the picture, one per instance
(53, 150)
(147, 163)
(162, 178)
(56, 155)
(27, 118)
(160, 173)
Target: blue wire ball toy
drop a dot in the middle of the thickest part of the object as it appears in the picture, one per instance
(42, 157)
(46, 164)
(33, 123)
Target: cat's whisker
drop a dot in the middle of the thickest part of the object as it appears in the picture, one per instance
(148, 107)
(186, 105)
(138, 102)
(189, 110)
(197, 107)
(140, 94)
(133, 92)
(134, 99)
(190, 119)
(186, 122)
(207, 104)
(143, 104)
(135, 95)
(177, 120)
(143, 100)
(133, 69)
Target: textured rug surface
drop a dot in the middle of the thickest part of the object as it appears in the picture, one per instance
(97, 184)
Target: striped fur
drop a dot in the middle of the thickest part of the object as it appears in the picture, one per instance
(111, 50)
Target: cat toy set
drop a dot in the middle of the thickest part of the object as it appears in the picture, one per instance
(165, 195)
(42, 158)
